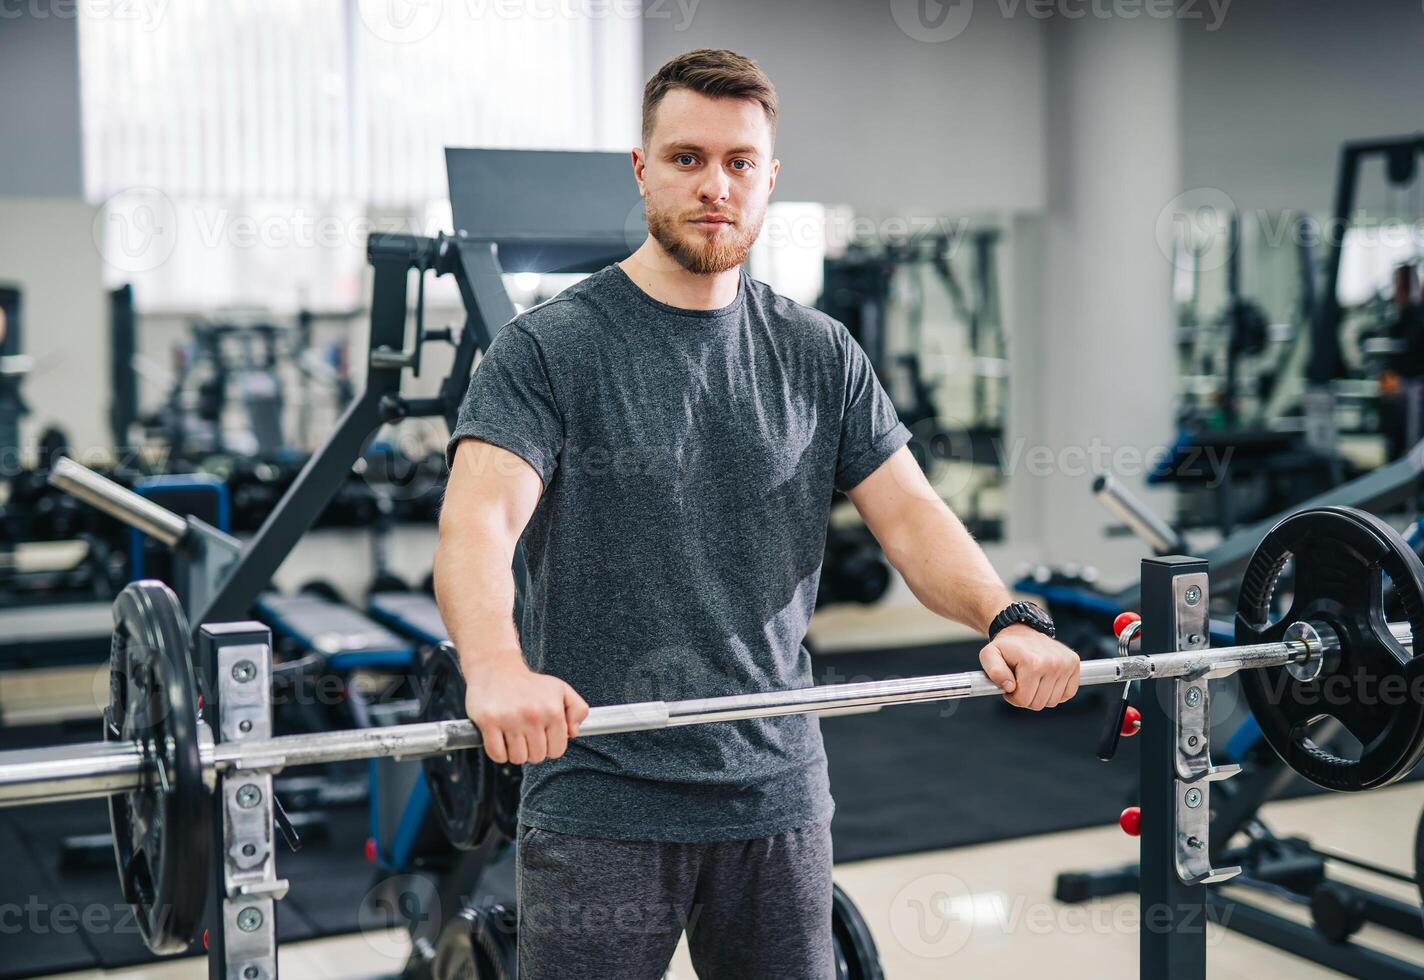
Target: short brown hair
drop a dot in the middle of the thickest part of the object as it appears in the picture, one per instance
(713, 72)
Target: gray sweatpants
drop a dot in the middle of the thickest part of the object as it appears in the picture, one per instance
(594, 909)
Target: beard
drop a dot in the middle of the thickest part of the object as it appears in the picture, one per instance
(697, 253)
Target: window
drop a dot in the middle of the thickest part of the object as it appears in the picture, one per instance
(253, 145)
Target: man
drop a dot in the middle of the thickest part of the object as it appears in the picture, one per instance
(666, 435)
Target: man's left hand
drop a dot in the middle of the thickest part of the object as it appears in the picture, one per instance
(1034, 670)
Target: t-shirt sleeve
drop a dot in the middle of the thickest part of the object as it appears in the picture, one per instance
(510, 403)
(871, 431)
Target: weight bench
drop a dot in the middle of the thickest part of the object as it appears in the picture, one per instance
(412, 614)
(347, 638)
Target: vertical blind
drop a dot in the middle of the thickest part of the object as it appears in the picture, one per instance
(250, 107)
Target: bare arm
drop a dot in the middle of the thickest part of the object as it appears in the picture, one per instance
(948, 572)
(941, 562)
(489, 498)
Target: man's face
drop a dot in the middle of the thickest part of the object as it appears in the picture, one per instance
(706, 177)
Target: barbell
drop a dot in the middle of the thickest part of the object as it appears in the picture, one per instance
(158, 763)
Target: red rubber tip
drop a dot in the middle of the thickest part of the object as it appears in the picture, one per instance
(1131, 721)
(370, 850)
(1122, 621)
(1131, 821)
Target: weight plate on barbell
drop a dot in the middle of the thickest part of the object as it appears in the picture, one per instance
(161, 831)
(506, 781)
(1372, 687)
(479, 943)
(459, 782)
(1419, 858)
(853, 939)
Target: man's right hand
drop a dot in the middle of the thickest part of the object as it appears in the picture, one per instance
(522, 716)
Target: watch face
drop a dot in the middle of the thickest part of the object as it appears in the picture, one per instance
(1037, 615)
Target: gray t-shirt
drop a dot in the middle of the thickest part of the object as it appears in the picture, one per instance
(688, 460)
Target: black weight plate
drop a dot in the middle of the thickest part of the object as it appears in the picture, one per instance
(459, 782)
(506, 780)
(840, 966)
(1371, 687)
(1419, 859)
(479, 943)
(852, 936)
(161, 832)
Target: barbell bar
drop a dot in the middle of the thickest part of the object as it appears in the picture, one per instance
(100, 769)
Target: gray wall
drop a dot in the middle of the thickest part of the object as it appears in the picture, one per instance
(876, 119)
(1268, 98)
(39, 115)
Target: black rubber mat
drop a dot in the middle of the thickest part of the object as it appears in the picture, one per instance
(928, 776)
(52, 920)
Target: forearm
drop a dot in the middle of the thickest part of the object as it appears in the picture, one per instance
(474, 588)
(944, 566)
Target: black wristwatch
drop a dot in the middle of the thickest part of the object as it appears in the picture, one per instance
(1025, 613)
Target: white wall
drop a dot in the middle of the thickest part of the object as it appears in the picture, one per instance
(1106, 338)
(47, 249)
(876, 119)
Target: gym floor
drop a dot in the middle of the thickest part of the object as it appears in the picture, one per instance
(989, 909)
(1000, 916)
